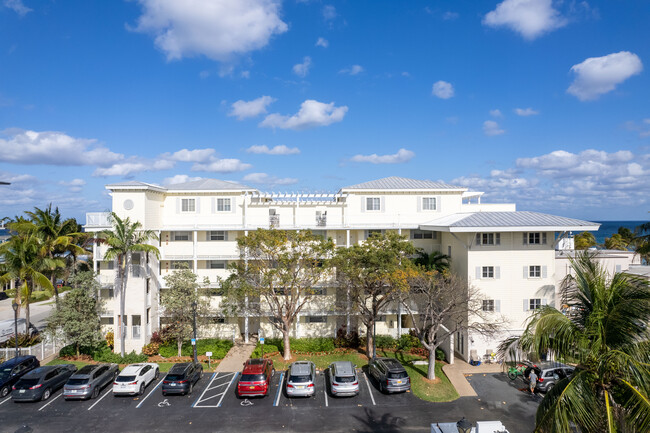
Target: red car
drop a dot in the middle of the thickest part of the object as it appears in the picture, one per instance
(255, 379)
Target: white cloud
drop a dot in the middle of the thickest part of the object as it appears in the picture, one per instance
(526, 112)
(245, 74)
(245, 109)
(561, 163)
(195, 155)
(352, 70)
(277, 150)
(496, 113)
(215, 29)
(322, 42)
(17, 6)
(75, 185)
(401, 156)
(449, 15)
(643, 127)
(302, 69)
(122, 169)
(311, 115)
(530, 18)
(329, 12)
(265, 179)
(179, 178)
(53, 148)
(491, 128)
(222, 166)
(599, 75)
(443, 90)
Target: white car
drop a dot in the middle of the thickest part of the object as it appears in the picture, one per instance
(135, 378)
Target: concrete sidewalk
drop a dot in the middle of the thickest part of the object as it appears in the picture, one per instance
(457, 371)
(236, 357)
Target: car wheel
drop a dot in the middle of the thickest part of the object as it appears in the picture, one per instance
(549, 387)
(141, 389)
(46, 394)
(164, 394)
(189, 391)
(512, 375)
(95, 392)
(4, 391)
(273, 372)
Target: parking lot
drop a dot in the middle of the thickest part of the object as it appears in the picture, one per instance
(214, 406)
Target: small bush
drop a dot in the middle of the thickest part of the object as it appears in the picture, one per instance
(440, 355)
(103, 353)
(218, 347)
(344, 340)
(317, 344)
(268, 348)
(408, 342)
(385, 342)
(110, 339)
(156, 337)
(39, 295)
(151, 349)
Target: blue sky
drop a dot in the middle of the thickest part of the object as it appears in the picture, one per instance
(538, 102)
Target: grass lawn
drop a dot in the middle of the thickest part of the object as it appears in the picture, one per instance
(437, 391)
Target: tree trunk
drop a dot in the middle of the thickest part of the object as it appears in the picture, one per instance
(77, 346)
(370, 338)
(179, 343)
(56, 290)
(287, 344)
(431, 372)
(124, 277)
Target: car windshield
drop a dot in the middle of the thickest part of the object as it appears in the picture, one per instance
(77, 382)
(252, 378)
(398, 375)
(125, 379)
(25, 383)
(299, 378)
(344, 379)
(173, 377)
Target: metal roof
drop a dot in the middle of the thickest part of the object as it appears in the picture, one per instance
(209, 185)
(402, 183)
(507, 221)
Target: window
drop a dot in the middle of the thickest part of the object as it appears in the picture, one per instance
(223, 205)
(535, 271)
(534, 304)
(216, 320)
(218, 264)
(188, 205)
(373, 203)
(487, 272)
(316, 319)
(421, 234)
(428, 203)
(488, 238)
(535, 238)
(370, 233)
(181, 236)
(218, 236)
(320, 233)
(488, 305)
(320, 291)
(110, 264)
(106, 321)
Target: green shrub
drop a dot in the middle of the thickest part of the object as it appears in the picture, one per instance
(39, 295)
(103, 353)
(24, 340)
(268, 348)
(407, 342)
(385, 342)
(343, 339)
(218, 347)
(440, 355)
(11, 293)
(317, 344)
(151, 349)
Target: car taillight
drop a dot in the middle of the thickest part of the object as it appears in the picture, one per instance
(335, 384)
(311, 385)
(355, 383)
(289, 385)
(182, 381)
(166, 382)
(13, 387)
(85, 386)
(541, 379)
(387, 382)
(409, 380)
(133, 383)
(36, 386)
(114, 383)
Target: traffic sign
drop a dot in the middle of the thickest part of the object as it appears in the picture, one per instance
(261, 340)
(193, 342)
(208, 354)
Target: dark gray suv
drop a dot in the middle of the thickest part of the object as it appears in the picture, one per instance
(89, 381)
(390, 375)
(548, 374)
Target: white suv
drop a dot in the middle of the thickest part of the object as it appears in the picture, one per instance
(135, 378)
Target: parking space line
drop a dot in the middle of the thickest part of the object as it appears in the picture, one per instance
(325, 389)
(150, 392)
(102, 397)
(277, 394)
(372, 397)
(226, 391)
(51, 400)
(5, 400)
(214, 376)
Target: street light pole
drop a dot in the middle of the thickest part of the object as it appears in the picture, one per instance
(194, 317)
(15, 307)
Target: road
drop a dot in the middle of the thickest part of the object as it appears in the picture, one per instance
(39, 312)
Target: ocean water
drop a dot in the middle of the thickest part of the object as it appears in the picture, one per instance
(608, 228)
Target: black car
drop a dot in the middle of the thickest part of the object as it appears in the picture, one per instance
(389, 374)
(14, 369)
(42, 382)
(181, 378)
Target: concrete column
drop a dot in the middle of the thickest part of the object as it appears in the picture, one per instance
(347, 238)
(195, 238)
(95, 254)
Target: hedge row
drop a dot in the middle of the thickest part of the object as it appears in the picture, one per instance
(218, 347)
(102, 353)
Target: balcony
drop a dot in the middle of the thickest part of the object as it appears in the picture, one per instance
(98, 219)
(321, 219)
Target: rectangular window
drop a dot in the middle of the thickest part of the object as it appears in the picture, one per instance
(373, 203)
(106, 321)
(216, 320)
(487, 272)
(320, 233)
(316, 319)
(218, 264)
(188, 205)
(218, 236)
(223, 205)
(535, 304)
(428, 203)
(535, 271)
(422, 234)
(110, 265)
(181, 236)
(488, 305)
(320, 291)
(488, 238)
(535, 238)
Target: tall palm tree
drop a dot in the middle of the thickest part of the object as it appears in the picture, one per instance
(125, 238)
(436, 261)
(604, 332)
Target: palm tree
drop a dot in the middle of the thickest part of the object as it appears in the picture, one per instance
(125, 238)
(616, 242)
(604, 332)
(436, 261)
(584, 240)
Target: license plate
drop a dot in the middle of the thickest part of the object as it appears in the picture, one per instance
(173, 384)
(251, 387)
(399, 382)
(300, 387)
(21, 391)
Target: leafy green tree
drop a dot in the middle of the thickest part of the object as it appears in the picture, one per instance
(616, 242)
(375, 272)
(125, 238)
(584, 240)
(277, 275)
(77, 320)
(177, 303)
(604, 332)
(436, 261)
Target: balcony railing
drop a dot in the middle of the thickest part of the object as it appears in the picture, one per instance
(321, 221)
(274, 221)
(98, 219)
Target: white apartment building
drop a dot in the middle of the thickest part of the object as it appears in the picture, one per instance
(509, 255)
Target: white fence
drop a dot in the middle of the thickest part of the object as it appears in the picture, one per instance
(43, 350)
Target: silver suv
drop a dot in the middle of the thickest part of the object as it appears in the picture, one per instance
(343, 379)
(389, 374)
(548, 374)
(301, 378)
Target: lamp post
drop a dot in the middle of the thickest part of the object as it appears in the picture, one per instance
(15, 307)
(194, 326)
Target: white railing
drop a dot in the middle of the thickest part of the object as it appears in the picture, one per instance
(41, 351)
(98, 219)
